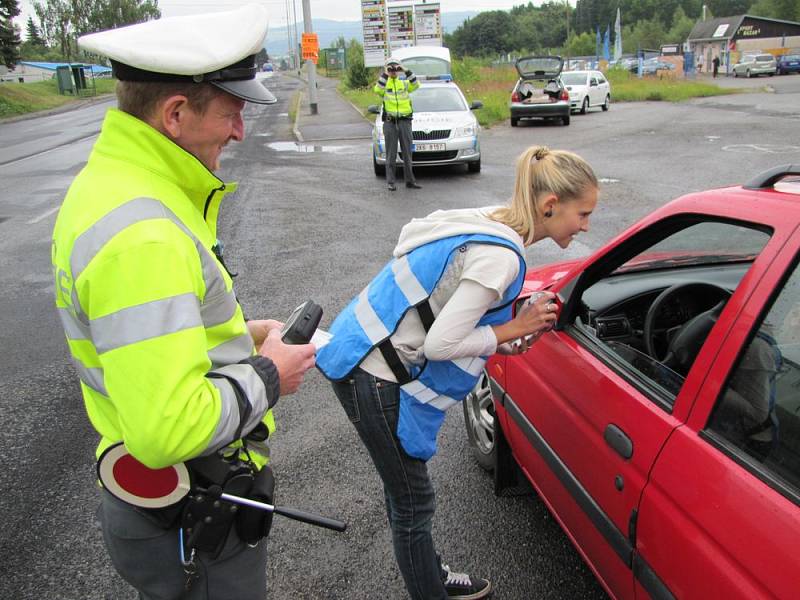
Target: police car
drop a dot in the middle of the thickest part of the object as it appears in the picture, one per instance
(444, 129)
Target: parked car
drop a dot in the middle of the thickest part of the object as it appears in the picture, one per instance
(755, 64)
(445, 130)
(660, 419)
(539, 93)
(587, 89)
(788, 63)
(651, 66)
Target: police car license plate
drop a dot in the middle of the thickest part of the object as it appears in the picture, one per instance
(429, 147)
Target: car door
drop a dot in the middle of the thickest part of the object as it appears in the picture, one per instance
(720, 517)
(602, 89)
(586, 423)
(593, 90)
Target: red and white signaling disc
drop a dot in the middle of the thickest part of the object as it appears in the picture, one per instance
(132, 482)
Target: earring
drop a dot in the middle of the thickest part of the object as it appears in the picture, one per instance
(549, 213)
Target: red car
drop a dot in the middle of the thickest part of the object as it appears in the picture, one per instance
(660, 419)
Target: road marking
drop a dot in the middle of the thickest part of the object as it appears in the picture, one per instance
(765, 148)
(43, 152)
(607, 180)
(44, 216)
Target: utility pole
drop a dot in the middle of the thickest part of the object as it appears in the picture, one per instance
(295, 51)
(311, 68)
(290, 52)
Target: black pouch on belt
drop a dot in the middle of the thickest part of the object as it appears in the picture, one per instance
(252, 524)
(207, 519)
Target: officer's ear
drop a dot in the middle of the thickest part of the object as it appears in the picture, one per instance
(172, 116)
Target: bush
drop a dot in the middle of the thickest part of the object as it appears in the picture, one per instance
(357, 74)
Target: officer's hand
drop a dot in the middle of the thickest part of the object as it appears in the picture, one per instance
(261, 328)
(291, 360)
(408, 73)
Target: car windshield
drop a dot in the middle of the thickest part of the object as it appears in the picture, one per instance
(437, 99)
(427, 66)
(573, 78)
(702, 244)
(788, 57)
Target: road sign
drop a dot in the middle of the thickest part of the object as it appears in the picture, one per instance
(310, 47)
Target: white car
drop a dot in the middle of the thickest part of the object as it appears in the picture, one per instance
(587, 89)
(445, 130)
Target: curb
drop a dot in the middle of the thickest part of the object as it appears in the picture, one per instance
(58, 109)
(296, 125)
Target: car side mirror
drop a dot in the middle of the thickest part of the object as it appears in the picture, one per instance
(593, 84)
(374, 109)
(475, 105)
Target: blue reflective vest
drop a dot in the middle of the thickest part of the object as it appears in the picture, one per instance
(374, 315)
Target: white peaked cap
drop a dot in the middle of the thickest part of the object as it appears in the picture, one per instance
(218, 48)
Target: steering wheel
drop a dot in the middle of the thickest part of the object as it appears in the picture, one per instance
(688, 340)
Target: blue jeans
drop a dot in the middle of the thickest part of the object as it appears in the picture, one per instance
(372, 405)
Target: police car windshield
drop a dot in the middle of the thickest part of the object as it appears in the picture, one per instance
(427, 66)
(437, 99)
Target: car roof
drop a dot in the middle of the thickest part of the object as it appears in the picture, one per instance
(771, 198)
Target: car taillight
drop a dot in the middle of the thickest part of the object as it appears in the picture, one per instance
(515, 97)
(564, 95)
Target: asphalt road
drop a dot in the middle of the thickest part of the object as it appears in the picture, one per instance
(314, 222)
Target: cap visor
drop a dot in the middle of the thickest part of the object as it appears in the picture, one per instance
(250, 90)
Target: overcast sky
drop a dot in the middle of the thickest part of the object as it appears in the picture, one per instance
(340, 10)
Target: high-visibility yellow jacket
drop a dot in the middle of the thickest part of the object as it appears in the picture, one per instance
(395, 93)
(164, 357)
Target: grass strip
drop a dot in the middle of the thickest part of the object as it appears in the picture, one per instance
(22, 98)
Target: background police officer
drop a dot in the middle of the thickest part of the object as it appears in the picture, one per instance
(397, 115)
(166, 361)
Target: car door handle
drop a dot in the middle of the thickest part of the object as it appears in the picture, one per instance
(618, 440)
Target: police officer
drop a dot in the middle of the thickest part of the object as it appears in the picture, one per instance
(397, 115)
(166, 361)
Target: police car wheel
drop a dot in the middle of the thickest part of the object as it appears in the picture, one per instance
(480, 422)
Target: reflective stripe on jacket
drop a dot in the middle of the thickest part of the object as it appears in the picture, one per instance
(158, 339)
(395, 93)
(374, 315)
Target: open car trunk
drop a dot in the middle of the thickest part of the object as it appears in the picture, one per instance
(538, 91)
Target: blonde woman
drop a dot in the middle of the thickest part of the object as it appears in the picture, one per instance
(415, 340)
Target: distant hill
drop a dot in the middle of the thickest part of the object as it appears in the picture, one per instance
(329, 30)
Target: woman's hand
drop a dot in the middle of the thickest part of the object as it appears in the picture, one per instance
(531, 321)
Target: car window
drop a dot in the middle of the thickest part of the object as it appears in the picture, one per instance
(764, 58)
(648, 317)
(601, 80)
(437, 99)
(758, 411)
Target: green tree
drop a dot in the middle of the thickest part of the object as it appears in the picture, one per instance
(63, 21)
(788, 10)
(646, 34)
(9, 33)
(32, 33)
(357, 73)
(682, 26)
(582, 44)
(490, 32)
(340, 42)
